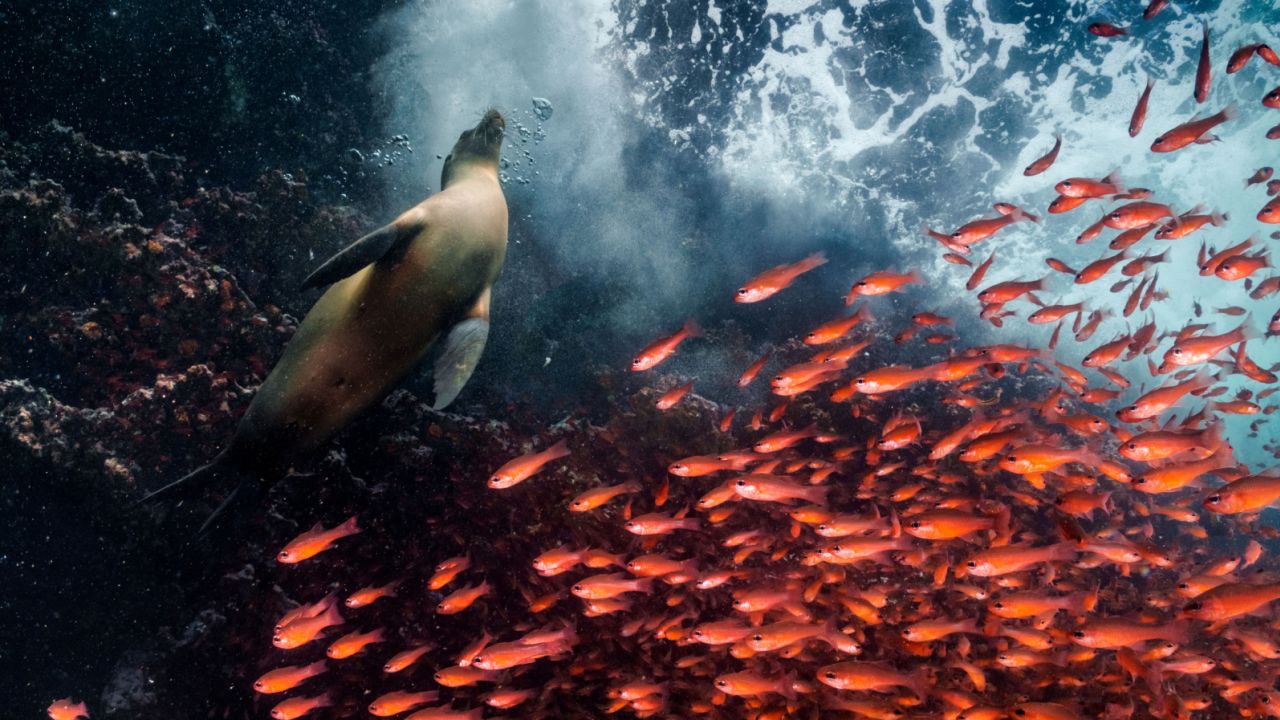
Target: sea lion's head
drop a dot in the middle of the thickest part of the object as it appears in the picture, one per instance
(478, 145)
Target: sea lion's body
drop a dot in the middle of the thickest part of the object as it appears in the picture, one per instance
(372, 329)
(423, 279)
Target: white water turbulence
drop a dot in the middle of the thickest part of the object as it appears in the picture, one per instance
(844, 127)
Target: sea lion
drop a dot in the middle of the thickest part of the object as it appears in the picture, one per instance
(429, 273)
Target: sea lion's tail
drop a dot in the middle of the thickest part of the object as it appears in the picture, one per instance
(219, 472)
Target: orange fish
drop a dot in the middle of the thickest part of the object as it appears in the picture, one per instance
(296, 707)
(286, 678)
(772, 281)
(1112, 633)
(369, 595)
(65, 709)
(352, 643)
(663, 348)
(447, 570)
(302, 630)
(1248, 494)
(524, 467)
(315, 541)
(861, 676)
(394, 703)
(596, 497)
(1232, 600)
(670, 398)
(403, 660)
(462, 599)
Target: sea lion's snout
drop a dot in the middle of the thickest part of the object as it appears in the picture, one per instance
(479, 144)
(493, 119)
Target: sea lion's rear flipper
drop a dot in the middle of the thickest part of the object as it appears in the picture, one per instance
(369, 249)
(460, 353)
(245, 492)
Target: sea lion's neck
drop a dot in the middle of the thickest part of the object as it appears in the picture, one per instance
(471, 171)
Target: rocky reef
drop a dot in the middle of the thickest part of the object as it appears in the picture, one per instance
(141, 308)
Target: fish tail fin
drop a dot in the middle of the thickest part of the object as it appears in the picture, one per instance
(815, 260)
(350, 527)
(920, 681)
(692, 328)
(1113, 179)
(1229, 112)
(559, 450)
(1218, 219)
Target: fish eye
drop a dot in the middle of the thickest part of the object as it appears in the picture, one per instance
(1011, 458)
(1078, 634)
(742, 482)
(1192, 607)
(1140, 481)
(831, 676)
(862, 283)
(1133, 446)
(972, 563)
(1177, 351)
(1183, 586)
(1020, 712)
(997, 605)
(722, 683)
(1066, 183)
(835, 548)
(1215, 499)
(915, 524)
(861, 381)
(577, 588)
(758, 637)
(742, 291)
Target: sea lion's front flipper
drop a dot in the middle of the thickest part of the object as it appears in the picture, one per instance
(460, 353)
(368, 249)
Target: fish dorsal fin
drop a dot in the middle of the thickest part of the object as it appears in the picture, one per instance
(367, 250)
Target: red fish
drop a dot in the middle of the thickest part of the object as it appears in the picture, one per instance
(1203, 72)
(1189, 132)
(1106, 30)
(1139, 116)
(1042, 163)
(772, 281)
(881, 283)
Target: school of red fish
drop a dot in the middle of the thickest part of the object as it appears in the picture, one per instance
(1076, 554)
